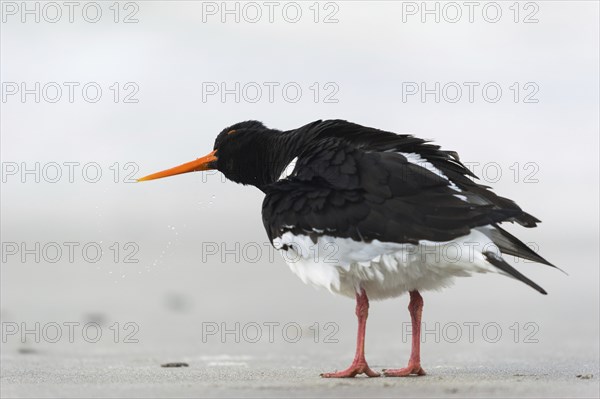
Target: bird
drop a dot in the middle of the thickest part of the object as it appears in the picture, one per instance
(370, 214)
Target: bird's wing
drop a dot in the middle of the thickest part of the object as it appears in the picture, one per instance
(421, 152)
(345, 191)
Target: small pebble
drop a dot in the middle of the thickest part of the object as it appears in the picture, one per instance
(175, 364)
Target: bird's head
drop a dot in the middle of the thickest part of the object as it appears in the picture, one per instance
(242, 152)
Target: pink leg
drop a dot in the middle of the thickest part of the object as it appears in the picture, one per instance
(415, 308)
(359, 364)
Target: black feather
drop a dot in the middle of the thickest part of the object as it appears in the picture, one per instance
(511, 245)
(508, 269)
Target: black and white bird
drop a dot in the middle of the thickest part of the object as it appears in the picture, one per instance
(367, 213)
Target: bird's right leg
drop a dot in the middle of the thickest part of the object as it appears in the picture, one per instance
(359, 365)
(415, 308)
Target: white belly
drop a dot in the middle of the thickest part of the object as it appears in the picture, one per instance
(384, 269)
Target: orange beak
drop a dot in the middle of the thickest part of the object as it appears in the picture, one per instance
(199, 164)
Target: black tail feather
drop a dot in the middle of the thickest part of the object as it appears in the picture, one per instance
(511, 245)
(501, 264)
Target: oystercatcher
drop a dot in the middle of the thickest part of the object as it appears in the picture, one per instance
(368, 213)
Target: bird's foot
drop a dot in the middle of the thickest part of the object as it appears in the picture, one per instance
(411, 369)
(354, 369)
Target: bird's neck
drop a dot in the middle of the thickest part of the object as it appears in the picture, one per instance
(279, 150)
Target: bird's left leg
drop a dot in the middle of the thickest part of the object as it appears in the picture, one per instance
(415, 308)
(359, 364)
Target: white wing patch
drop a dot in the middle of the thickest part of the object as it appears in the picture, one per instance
(417, 160)
(288, 169)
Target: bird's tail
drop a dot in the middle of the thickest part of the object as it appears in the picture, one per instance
(501, 264)
(511, 245)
